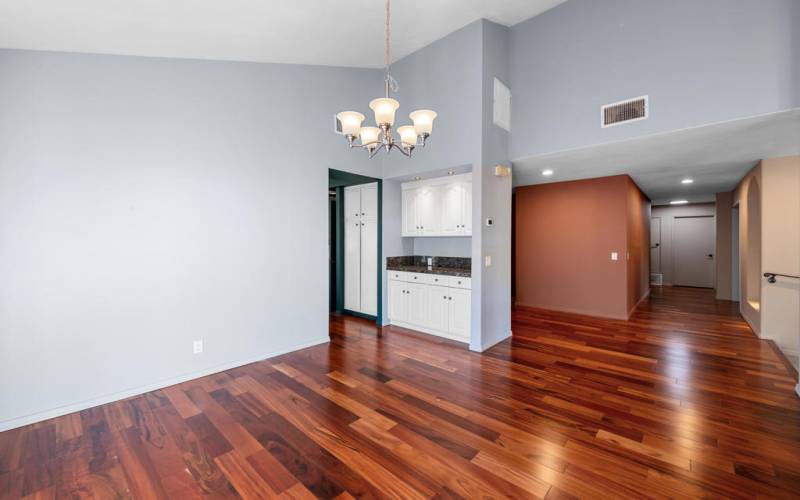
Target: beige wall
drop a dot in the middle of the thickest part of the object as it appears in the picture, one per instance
(740, 197)
(667, 214)
(780, 252)
(779, 188)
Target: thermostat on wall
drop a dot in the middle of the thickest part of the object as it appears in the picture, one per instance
(489, 221)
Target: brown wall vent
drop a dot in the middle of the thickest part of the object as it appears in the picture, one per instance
(627, 111)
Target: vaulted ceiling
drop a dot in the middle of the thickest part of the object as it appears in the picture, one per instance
(327, 32)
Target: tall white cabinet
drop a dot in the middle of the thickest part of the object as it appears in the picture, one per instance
(438, 207)
(361, 249)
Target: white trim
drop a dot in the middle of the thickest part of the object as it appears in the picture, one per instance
(431, 331)
(797, 389)
(625, 101)
(127, 393)
(547, 154)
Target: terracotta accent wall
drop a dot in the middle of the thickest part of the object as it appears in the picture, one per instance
(564, 235)
(638, 245)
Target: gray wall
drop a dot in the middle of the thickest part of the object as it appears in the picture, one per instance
(699, 61)
(146, 203)
(495, 241)
(444, 76)
(443, 247)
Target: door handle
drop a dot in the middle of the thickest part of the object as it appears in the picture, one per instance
(710, 256)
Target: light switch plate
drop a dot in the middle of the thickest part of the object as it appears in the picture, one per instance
(614, 256)
(488, 260)
(197, 346)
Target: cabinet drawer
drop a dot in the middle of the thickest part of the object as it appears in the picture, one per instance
(398, 276)
(460, 282)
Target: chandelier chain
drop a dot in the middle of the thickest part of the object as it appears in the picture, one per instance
(391, 83)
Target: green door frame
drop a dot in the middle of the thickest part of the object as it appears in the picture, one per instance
(339, 180)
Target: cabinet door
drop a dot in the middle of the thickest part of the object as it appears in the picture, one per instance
(409, 215)
(352, 203)
(428, 210)
(369, 201)
(452, 210)
(417, 304)
(398, 310)
(352, 264)
(369, 266)
(466, 208)
(438, 308)
(459, 317)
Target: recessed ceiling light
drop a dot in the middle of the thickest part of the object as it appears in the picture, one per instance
(451, 172)
(547, 172)
(687, 181)
(679, 202)
(417, 178)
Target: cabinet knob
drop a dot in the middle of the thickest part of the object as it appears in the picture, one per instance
(445, 297)
(449, 298)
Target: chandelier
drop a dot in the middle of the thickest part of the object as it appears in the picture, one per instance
(373, 139)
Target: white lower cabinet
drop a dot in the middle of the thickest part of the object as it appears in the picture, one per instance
(435, 304)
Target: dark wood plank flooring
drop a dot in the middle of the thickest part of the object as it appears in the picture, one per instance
(683, 401)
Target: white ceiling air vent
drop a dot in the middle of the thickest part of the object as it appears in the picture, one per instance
(631, 110)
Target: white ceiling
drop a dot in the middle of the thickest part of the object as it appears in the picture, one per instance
(328, 32)
(716, 156)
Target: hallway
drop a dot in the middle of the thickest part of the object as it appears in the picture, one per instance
(682, 401)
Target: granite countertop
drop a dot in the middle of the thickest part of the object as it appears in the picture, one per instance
(448, 266)
(447, 271)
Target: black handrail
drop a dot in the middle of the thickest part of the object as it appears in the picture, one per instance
(771, 277)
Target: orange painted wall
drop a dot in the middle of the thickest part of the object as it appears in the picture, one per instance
(564, 235)
(638, 245)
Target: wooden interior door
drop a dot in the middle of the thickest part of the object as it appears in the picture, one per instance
(693, 241)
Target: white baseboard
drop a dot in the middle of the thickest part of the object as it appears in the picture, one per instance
(486, 347)
(430, 331)
(127, 393)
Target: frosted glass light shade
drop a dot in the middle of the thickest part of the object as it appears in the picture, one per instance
(384, 108)
(423, 120)
(369, 135)
(408, 136)
(351, 122)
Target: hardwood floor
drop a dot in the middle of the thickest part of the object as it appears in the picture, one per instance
(681, 401)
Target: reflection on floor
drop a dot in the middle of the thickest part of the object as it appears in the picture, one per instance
(682, 401)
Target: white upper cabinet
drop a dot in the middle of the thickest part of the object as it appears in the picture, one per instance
(438, 207)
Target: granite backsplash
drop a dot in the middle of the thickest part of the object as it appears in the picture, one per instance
(459, 265)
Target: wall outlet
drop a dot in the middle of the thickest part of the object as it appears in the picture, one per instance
(614, 256)
(197, 346)
(487, 260)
